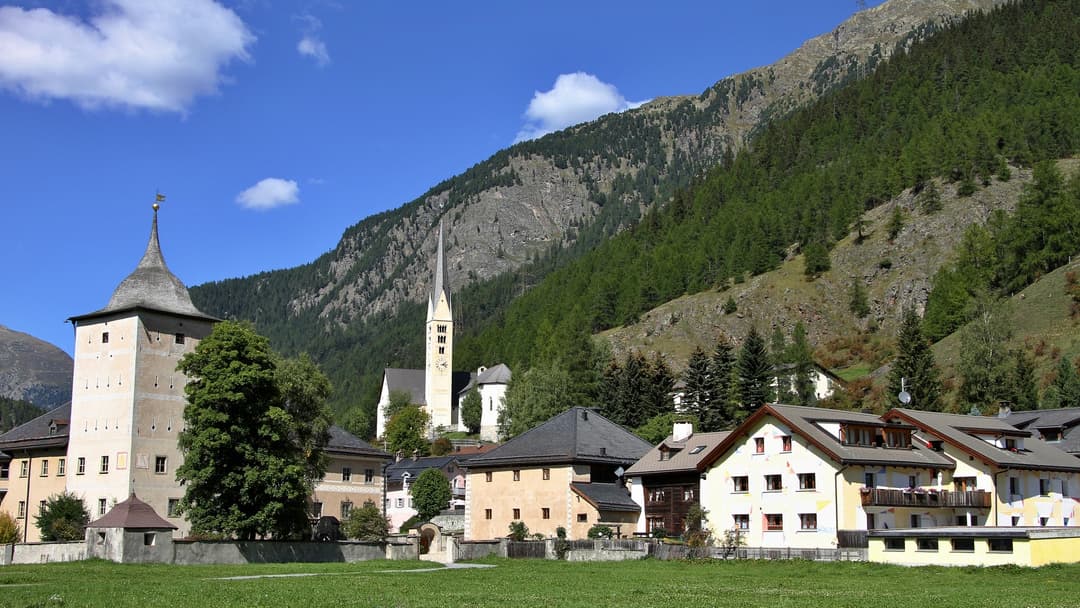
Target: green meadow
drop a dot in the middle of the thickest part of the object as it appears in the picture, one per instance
(538, 583)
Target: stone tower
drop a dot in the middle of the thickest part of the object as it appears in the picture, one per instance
(439, 359)
(127, 399)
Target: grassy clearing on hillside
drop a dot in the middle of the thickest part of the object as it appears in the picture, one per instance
(541, 583)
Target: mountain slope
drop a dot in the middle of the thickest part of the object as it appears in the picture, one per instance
(33, 370)
(548, 200)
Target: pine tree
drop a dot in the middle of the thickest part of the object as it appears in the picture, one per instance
(754, 370)
(661, 387)
(699, 390)
(857, 302)
(723, 413)
(914, 365)
(1024, 390)
(896, 223)
(801, 354)
(984, 363)
(1067, 384)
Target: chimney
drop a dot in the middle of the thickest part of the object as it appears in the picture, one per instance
(398, 456)
(1004, 410)
(681, 431)
(584, 414)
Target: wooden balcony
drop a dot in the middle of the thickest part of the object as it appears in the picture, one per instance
(888, 497)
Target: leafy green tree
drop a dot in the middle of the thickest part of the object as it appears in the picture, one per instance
(896, 223)
(518, 531)
(367, 523)
(305, 390)
(754, 372)
(533, 397)
(930, 198)
(10, 532)
(406, 432)
(801, 354)
(248, 468)
(399, 400)
(64, 517)
(441, 447)
(984, 362)
(430, 493)
(780, 385)
(657, 428)
(914, 365)
(816, 259)
(472, 410)
(1066, 384)
(857, 302)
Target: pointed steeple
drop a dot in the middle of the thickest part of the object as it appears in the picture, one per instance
(152, 285)
(441, 282)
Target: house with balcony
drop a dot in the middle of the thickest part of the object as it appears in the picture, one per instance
(1029, 482)
(566, 472)
(666, 481)
(804, 477)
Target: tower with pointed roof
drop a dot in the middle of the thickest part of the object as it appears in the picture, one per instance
(439, 361)
(127, 399)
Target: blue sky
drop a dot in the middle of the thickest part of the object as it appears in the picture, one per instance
(273, 126)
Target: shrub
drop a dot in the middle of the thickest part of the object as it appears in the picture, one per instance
(659, 533)
(64, 517)
(730, 306)
(518, 531)
(366, 523)
(600, 531)
(9, 529)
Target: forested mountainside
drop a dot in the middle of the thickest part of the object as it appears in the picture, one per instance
(352, 308)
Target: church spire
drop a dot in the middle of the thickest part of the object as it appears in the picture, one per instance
(441, 282)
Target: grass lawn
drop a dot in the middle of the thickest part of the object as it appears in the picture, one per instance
(540, 583)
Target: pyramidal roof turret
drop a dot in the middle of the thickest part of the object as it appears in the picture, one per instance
(151, 286)
(441, 284)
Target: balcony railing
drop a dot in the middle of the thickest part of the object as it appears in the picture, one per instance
(888, 497)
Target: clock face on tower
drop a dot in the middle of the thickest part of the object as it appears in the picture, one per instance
(441, 364)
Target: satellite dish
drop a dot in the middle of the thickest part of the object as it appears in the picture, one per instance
(904, 397)
(619, 472)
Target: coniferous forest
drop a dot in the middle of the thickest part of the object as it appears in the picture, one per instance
(984, 93)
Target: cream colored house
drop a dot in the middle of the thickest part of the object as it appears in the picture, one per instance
(354, 476)
(37, 469)
(1030, 482)
(801, 477)
(980, 546)
(563, 473)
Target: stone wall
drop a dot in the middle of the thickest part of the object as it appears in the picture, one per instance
(461, 549)
(43, 553)
(266, 552)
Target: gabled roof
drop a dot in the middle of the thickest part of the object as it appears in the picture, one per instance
(151, 286)
(46, 431)
(578, 435)
(959, 431)
(679, 456)
(808, 423)
(344, 442)
(411, 381)
(132, 514)
(498, 374)
(415, 466)
(1065, 420)
(606, 496)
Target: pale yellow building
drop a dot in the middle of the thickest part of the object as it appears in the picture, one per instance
(563, 473)
(1030, 482)
(982, 546)
(354, 476)
(804, 477)
(37, 469)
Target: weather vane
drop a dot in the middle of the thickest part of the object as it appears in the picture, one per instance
(158, 198)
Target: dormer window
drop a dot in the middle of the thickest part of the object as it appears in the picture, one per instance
(897, 438)
(1051, 434)
(859, 435)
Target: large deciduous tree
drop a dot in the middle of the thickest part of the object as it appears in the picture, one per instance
(472, 410)
(430, 493)
(255, 429)
(533, 397)
(406, 432)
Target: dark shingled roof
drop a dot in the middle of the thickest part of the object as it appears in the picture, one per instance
(1064, 420)
(415, 466)
(606, 496)
(960, 431)
(680, 457)
(132, 514)
(47, 430)
(344, 442)
(151, 286)
(412, 381)
(576, 435)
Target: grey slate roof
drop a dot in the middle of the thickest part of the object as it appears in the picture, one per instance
(415, 466)
(132, 514)
(680, 461)
(807, 421)
(39, 432)
(957, 429)
(576, 435)
(151, 286)
(1065, 420)
(606, 496)
(413, 382)
(344, 442)
(498, 374)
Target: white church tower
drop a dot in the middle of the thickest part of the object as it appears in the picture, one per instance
(439, 366)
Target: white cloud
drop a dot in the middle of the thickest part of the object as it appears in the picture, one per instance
(575, 98)
(269, 193)
(310, 44)
(150, 54)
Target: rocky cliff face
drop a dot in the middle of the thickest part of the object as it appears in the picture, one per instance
(33, 370)
(536, 195)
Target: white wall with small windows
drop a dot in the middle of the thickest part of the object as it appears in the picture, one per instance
(775, 488)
